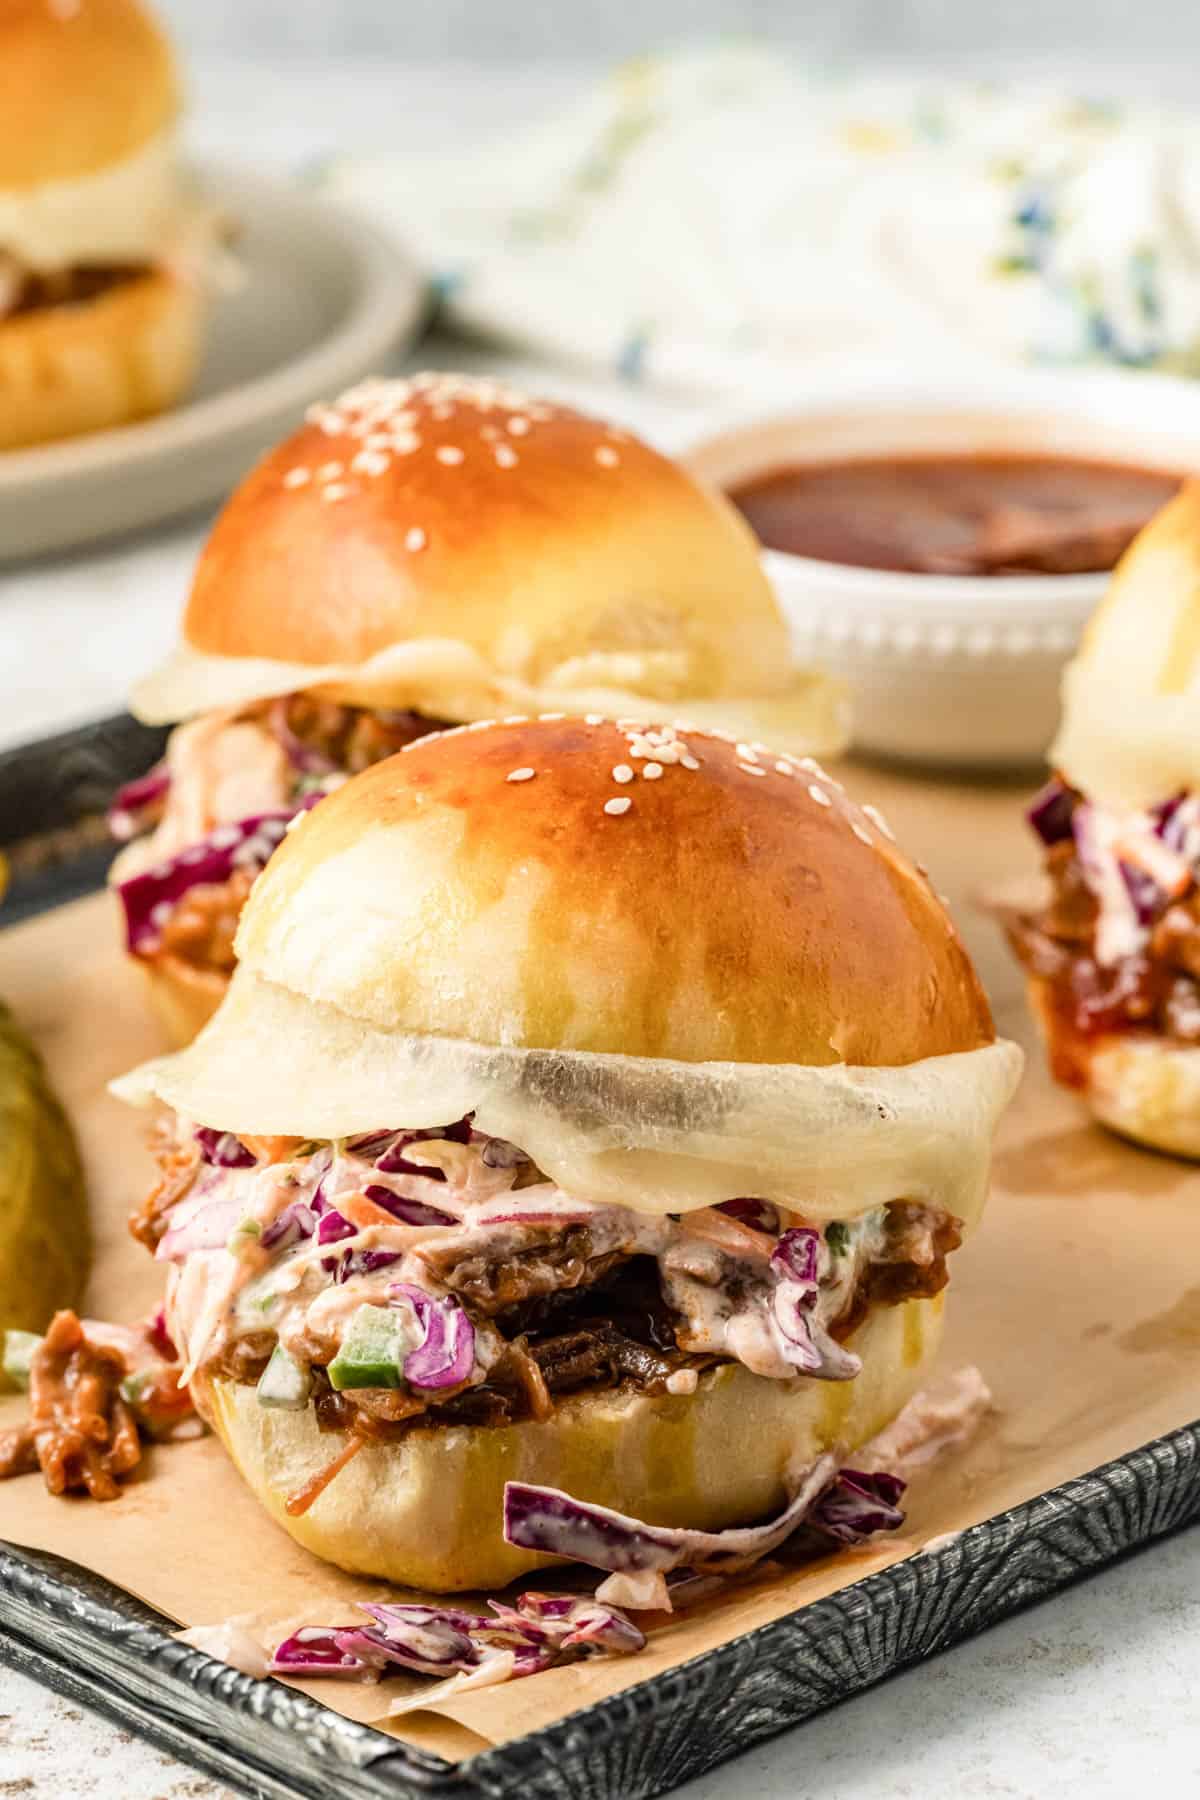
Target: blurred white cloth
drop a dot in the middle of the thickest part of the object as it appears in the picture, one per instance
(702, 217)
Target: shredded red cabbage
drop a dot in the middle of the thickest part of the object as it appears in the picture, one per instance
(538, 1632)
(294, 1224)
(200, 1223)
(316, 1651)
(1050, 812)
(846, 1505)
(148, 898)
(759, 1215)
(857, 1505)
(795, 1261)
(223, 1150)
(131, 806)
(445, 1356)
(158, 1336)
(409, 1212)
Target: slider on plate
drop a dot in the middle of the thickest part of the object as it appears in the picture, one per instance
(594, 1106)
(1111, 948)
(426, 552)
(104, 252)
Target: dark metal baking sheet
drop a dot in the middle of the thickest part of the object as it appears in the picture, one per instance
(90, 1640)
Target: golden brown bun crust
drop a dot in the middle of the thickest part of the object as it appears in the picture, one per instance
(125, 355)
(426, 1511)
(545, 536)
(726, 915)
(1138, 1083)
(81, 86)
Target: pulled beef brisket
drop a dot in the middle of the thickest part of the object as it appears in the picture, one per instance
(350, 738)
(912, 1267)
(1159, 988)
(599, 1355)
(69, 287)
(80, 1433)
(553, 1261)
(201, 926)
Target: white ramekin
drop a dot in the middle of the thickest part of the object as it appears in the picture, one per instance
(950, 669)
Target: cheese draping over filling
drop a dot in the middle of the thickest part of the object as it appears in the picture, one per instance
(129, 212)
(654, 1135)
(449, 679)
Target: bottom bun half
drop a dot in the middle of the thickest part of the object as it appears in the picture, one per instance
(130, 352)
(425, 1511)
(184, 997)
(1139, 1083)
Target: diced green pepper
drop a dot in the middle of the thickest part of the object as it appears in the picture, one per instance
(284, 1383)
(371, 1352)
(19, 1347)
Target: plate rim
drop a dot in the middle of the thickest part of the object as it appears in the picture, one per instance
(395, 297)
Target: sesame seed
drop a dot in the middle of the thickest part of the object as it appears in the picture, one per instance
(747, 752)
(810, 767)
(443, 412)
(297, 478)
(593, 718)
(783, 768)
(519, 775)
(337, 490)
(607, 457)
(518, 426)
(516, 719)
(819, 795)
(864, 837)
(450, 454)
(377, 440)
(752, 769)
(506, 457)
(404, 443)
(876, 817)
(689, 762)
(414, 538)
(372, 462)
(614, 808)
(330, 471)
(622, 773)
(490, 432)
(652, 771)
(551, 718)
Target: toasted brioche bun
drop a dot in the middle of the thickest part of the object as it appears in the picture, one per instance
(1138, 1082)
(426, 1510)
(82, 86)
(184, 997)
(724, 916)
(126, 354)
(456, 547)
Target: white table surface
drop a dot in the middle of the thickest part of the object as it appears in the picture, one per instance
(1094, 1693)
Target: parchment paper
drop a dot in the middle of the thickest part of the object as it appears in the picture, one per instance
(1079, 1298)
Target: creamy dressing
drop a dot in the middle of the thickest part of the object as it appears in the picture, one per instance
(1107, 843)
(716, 1273)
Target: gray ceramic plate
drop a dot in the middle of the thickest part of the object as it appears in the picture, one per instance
(323, 300)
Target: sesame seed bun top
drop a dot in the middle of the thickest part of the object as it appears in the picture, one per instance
(556, 553)
(83, 84)
(559, 883)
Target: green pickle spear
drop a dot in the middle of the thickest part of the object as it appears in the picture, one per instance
(45, 1244)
